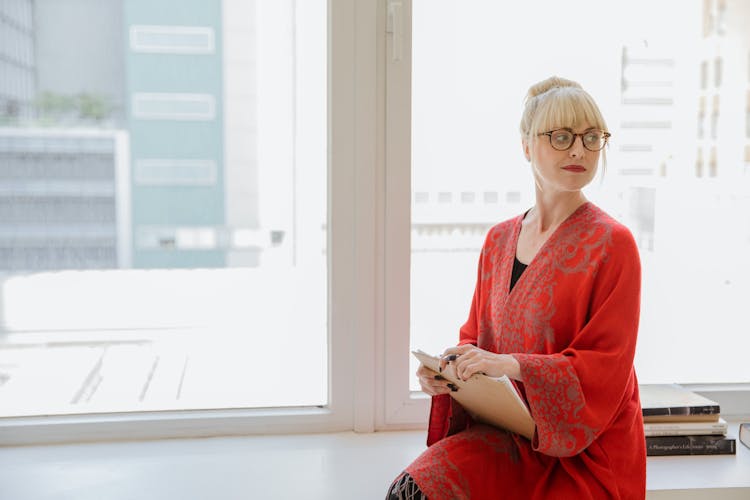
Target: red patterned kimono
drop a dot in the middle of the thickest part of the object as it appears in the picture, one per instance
(571, 322)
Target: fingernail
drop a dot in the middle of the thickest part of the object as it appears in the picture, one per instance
(439, 377)
(452, 357)
(453, 387)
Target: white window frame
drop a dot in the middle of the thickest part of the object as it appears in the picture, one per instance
(352, 67)
(402, 408)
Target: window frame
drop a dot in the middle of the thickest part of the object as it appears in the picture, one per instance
(352, 66)
(402, 408)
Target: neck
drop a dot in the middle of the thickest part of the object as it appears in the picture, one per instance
(550, 211)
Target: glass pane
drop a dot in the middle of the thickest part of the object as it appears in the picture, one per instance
(162, 205)
(685, 196)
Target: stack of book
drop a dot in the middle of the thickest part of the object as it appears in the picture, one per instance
(680, 422)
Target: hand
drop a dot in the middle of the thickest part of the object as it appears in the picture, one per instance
(469, 359)
(432, 382)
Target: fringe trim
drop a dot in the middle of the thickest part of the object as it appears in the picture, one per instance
(404, 488)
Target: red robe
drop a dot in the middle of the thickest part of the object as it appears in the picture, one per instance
(571, 322)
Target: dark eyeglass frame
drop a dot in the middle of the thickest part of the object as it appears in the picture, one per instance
(606, 136)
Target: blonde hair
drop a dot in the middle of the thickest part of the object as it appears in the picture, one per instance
(558, 103)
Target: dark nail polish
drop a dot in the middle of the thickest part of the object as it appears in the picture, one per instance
(453, 387)
(452, 357)
(439, 377)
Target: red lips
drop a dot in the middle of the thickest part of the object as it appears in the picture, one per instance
(574, 168)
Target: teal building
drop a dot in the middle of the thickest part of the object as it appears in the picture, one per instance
(173, 75)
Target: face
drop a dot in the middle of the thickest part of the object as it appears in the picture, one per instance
(563, 171)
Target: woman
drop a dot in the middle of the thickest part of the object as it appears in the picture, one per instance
(556, 309)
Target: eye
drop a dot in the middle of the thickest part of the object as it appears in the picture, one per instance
(592, 137)
(561, 137)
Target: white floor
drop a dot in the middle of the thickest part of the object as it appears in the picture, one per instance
(314, 466)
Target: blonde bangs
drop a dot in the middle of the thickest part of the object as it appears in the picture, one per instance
(567, 107)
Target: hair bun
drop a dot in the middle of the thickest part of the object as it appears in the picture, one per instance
(550, 83)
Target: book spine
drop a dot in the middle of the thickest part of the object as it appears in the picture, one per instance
(684, 432)
(683, 410)
(685, 428)
(657, 446)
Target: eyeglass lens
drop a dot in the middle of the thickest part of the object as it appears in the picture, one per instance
(563, 139)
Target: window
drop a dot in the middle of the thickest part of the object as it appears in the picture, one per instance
(163, 208)
(465, 111)
(173, 106)
(713, 163)
(715, 117)
(708, 18)
(721, 17)
(718, 68)
(172, 39)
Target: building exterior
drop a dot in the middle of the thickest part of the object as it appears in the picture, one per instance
(64, 200)
(723, 119)
(64, 179)
(156, 78)
(173, 68)
(647, 131)
(17, 61)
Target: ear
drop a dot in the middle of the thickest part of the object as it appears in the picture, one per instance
(526, 150)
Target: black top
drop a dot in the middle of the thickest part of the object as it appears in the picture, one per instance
(518, 266)
(518, 269)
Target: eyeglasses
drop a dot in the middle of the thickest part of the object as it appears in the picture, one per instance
(563, 139)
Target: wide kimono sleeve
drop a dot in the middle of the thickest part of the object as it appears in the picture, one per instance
(576, 393)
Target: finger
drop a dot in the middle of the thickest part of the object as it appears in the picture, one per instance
(463, 349)
(449, 356)
(455, 353)
(461, 363)
(477, 368)
(433, 380)
(449, 370)
(423, 371)
(443, 358)
(468, 368)
(434, 390)
(457, 350)
(440, 387)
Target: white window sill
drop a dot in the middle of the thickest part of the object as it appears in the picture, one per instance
(333, 465)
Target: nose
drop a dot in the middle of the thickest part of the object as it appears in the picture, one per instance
(577, 149)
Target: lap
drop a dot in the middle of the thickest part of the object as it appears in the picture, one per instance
(485, 462)
(468, 463)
